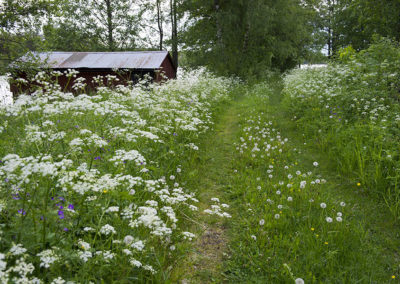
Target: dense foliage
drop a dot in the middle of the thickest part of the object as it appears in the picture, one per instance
(351, 110)
(95, 181)
(356, 22)
(247, 37)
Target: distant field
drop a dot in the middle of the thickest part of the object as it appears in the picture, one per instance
(308, 66)
(5, 94)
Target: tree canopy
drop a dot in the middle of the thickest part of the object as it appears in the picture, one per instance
(242, 37)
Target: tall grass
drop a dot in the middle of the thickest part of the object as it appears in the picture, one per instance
(351, 110)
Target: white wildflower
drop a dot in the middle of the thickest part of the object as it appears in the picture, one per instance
(107, 230)
(47, 257)
(299, 281)
(17, 249)
(83, 245)
(58, 280)
(128, 240)
(188, 236)
(135, 262)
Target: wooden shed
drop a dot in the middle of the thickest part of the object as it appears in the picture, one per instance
(128, 66)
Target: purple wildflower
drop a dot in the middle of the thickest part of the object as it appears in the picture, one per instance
(71, 206)
(22, 211)
(61, 214)
(16, 196)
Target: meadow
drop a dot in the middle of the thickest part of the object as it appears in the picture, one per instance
(351, 111)
(206, 179)
(91, 186)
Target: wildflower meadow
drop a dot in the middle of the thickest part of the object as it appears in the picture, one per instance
(205, 179)
(91, 185)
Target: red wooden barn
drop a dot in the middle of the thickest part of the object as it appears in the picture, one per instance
(127, 65)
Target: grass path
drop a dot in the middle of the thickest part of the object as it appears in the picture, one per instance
(362, 249)
(211, 176)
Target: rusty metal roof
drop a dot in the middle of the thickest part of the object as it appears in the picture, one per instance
(101, 60)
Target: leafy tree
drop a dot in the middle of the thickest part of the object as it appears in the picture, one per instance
(20, 27)
(355, 22)
(246, 37)
(97, 25)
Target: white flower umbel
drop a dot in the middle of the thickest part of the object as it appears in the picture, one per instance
(107, 230)
(17, 249)
(85, 255)
(188, 236)
(47, 257)
(122, 156)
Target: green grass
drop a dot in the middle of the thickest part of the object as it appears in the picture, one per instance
(288, 217)
(363, 248)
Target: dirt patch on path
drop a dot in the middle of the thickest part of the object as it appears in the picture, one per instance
(210, 249)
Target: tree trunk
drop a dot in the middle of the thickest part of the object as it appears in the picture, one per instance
(330, 28)
(109, 25)
(174, 32)
(329, 42)
(160, 24)
(219, 30)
